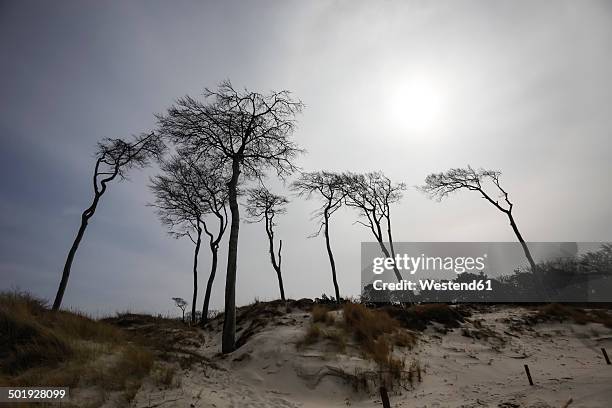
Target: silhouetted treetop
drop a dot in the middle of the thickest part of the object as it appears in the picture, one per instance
(264, 205)
(324, 183)
(372, 193)
(187, 191)
(115, 157)
(251, 127)
(440, 185)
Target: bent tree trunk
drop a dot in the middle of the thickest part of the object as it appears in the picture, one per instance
(330, 254)
(275, 265)
(211, 279)
(87, 214)
(532, 263)
(379, 237)
(229, 321)
(195, 275)
(383, 248)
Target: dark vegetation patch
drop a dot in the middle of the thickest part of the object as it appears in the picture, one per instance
(556, 312)
(44, 348)
(418, 317)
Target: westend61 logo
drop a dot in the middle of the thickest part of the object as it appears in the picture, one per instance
(413, 264)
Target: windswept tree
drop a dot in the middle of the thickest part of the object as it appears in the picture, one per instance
(215, 198)
(264, 206)
(245, 133)
(181, 304)
(440, 185)
(372, 194)
(328, 186)
(114, 159)
(185, 193)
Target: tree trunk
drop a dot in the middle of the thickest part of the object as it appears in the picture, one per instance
(383, 248)
(275, 265)
(229, 321)
(331, 256)
(87, 214)
(379, 237)
(211, 279)
(195, 276)
(523, 244)
(280, 284)
(389, 234)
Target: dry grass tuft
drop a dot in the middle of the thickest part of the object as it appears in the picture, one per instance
(367, 324)
(404, 339)
(321, 314)
(312, 335)
(376, 333)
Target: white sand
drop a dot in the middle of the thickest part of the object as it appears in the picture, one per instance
(459, 371)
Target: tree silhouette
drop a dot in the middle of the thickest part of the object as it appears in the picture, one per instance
(329, 186)
(114, 159)
(245, 133)
(372, 194)
(185, 193)
(262, 205)
(181, 304)
(440, 185)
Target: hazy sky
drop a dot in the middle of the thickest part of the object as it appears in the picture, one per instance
(404, 87)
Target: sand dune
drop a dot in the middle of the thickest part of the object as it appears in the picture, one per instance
(479, 364)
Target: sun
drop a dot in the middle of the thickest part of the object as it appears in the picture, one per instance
(416, 104)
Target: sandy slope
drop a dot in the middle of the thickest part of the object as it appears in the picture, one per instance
(461, 370)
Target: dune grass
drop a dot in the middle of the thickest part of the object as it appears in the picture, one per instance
(373, 331)
(45, 348)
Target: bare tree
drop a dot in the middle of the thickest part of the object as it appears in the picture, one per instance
(329, 186)
(262, 205)
(185, 193)
(245, 133)
(215, 197)
(114, 158)
(372, 194)
(181, 304)
(440, 185)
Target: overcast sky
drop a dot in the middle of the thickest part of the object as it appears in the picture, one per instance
(404, 87)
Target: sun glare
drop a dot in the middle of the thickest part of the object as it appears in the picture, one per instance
(416, 105)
